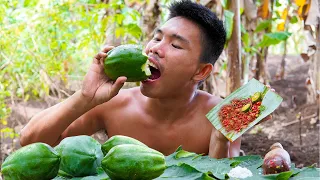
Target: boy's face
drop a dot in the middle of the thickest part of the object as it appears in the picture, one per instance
(175, 49)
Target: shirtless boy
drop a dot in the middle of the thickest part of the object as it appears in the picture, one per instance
(163, 113)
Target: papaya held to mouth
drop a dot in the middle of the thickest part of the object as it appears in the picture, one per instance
(129, 61)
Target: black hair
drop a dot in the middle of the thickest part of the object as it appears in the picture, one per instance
(213, 34)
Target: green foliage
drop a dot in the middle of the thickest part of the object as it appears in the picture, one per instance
(44, 42)
(294, 20)
(216, 167)
(101, 175)
(228, 15)
(203, 167)
(263, 25)
(183, 172)
(225, 4)
(273, 38)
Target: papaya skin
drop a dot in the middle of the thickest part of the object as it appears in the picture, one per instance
(118, 140)
(80, 155)
(127, 60)
(135, 162)
(37, 161)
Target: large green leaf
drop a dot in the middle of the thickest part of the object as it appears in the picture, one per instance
(183, 172)
(270, 101)
(294, 19)
(184, 165)
(228, 16)
(217, 167)
(134, 30)
(192, 166)
(307, 173)
(224, 4)
(273, 38)
(101, 175)
(263, 25)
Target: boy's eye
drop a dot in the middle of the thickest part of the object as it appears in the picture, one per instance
(175, 46)
(156, 39)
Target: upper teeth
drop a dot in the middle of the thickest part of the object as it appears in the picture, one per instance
(153, 65)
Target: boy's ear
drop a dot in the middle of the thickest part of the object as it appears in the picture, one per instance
(203, 71)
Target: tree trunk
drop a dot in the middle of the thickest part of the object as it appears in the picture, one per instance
(151, 17)
(234, 51)
(259, 65)
(250, 19)
(317, 68)
(284, 56)
(262, 64)
(209, 84)
(283, 61)
(111, 39)
(246, 68)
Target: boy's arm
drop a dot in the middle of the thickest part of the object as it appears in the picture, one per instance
(50, 125)
(219, 145)
(234, 149)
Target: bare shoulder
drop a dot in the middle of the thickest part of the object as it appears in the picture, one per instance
(122, 99)
(208, 101)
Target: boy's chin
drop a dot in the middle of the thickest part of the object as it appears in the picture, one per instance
(148, 92)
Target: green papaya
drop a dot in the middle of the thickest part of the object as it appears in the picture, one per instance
(127, 60)
(101, 175)
(37, 161)
(134, 162)
(80, 155)
(117, 140)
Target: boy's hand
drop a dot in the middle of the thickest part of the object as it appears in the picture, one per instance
(97, 88)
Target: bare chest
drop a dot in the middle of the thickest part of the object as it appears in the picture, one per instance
(192, 132)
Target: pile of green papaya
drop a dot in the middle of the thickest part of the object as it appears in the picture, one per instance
(83, 157)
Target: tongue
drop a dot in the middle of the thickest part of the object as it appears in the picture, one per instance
(155, 73)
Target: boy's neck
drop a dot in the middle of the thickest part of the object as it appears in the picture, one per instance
(173, 108)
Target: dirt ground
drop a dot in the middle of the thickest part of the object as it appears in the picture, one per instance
(282, 128)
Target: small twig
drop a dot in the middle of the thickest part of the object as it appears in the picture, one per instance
(64, 92)
(299, 119)
(4, 65)
(24, 107)
(293, 101)
(58, 90)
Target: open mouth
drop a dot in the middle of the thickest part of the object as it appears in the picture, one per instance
(155, 73)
